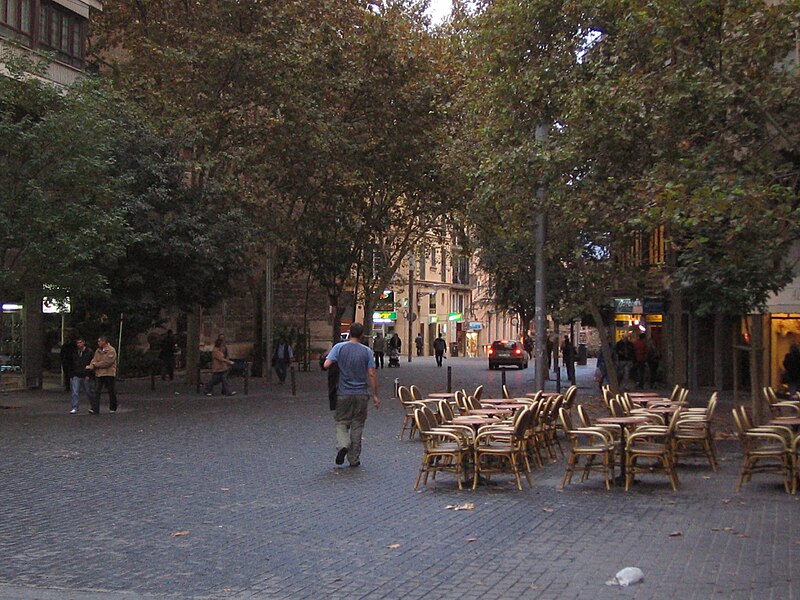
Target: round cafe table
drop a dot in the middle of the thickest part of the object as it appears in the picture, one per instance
(441, 395)
(625, 423)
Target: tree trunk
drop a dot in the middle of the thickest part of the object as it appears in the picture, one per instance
(677, 347)
(193, 344)
(607, 348)
(756, 354)
(33, 348)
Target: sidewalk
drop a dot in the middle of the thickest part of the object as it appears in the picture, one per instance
(183, 496)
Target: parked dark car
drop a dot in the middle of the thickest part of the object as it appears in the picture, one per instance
(507, 353)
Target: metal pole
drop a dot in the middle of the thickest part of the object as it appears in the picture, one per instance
(411, 301)
(268, 317)
(503, 377)
(540, 295)
(449, 379)
(396, 387)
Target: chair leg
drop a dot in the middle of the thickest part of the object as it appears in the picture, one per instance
(630, 461)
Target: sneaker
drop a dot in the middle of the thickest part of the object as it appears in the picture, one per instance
(74, 411)
(209, 394)
(340, 456)
(92, 412)
(355, 464)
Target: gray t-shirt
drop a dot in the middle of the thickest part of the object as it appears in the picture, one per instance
(354, 361)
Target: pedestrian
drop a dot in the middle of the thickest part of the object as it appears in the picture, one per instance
(791, 363)
(640, 359)
(439, 346)
(79, 378)
(66, 354)
(358, 380)
(527, 343)
(104, 367)
(653, 358)
(568, 354)
(220, 365)
(396, 343)
(601, 371)
(282, 357)
(624, 351)
(419, 342)
(167, 356)
(379, 349)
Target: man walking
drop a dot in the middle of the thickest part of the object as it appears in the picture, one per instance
(282, 358)
(358, 380)
(419, 342)
(78, 377)
(379, 349)
(438, 349)
(104, 366)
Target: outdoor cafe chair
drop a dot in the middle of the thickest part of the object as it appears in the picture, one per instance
(416, 395)
(442, 450)
(766, 450)
(408, 404)
(694, 429)
(588, 443)
(782, 408)
(586, 421)
(478, 392)
(654, 446)
(497, 451)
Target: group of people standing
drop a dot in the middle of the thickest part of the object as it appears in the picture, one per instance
(636, 361)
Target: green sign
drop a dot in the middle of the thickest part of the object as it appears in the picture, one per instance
(455, 317)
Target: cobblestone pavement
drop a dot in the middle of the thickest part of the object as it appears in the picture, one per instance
(183, 496)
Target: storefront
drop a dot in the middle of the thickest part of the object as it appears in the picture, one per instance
(634, 316)
(12, 375)
(472, 334)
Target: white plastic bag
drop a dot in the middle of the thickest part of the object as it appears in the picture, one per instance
(627, 576)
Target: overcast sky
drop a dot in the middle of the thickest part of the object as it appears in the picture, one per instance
(439, 10)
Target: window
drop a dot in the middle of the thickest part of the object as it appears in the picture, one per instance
(16, 16)
(63, 32)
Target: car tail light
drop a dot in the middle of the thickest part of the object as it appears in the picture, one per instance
(517, 351)
(491, 351)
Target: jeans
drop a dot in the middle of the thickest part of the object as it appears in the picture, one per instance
(75, 385)
(378, 354)
(439, 356)
(107, 382)
(351, 413)
(219, 377)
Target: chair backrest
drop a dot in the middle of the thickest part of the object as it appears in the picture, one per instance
(506, 394)
(772, 397)
(739, 421)
(477, 393)
(683, 395)
(415, 393)
(607, 395)
(461, 400)
(537, 396)
(423, 422)
(712, 406)
(583, 416)
(566, 421)
(429, 415)
(521, 424)
(569, 397)
(674, 395)
(446, 411)
(615, 407)
(404, 394)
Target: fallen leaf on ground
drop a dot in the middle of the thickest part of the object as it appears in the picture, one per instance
(549, 510)
(179, 533)
(743, 535)
(472, 539)
(393, 546)
(675, 534)
(706, 477)
(467, 506)
(225, 489)
(726, 501)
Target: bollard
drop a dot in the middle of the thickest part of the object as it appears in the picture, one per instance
(246, 378)
(449, 379)
(396, 387)
(152, 379)
(503, 377)
(294, 383)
